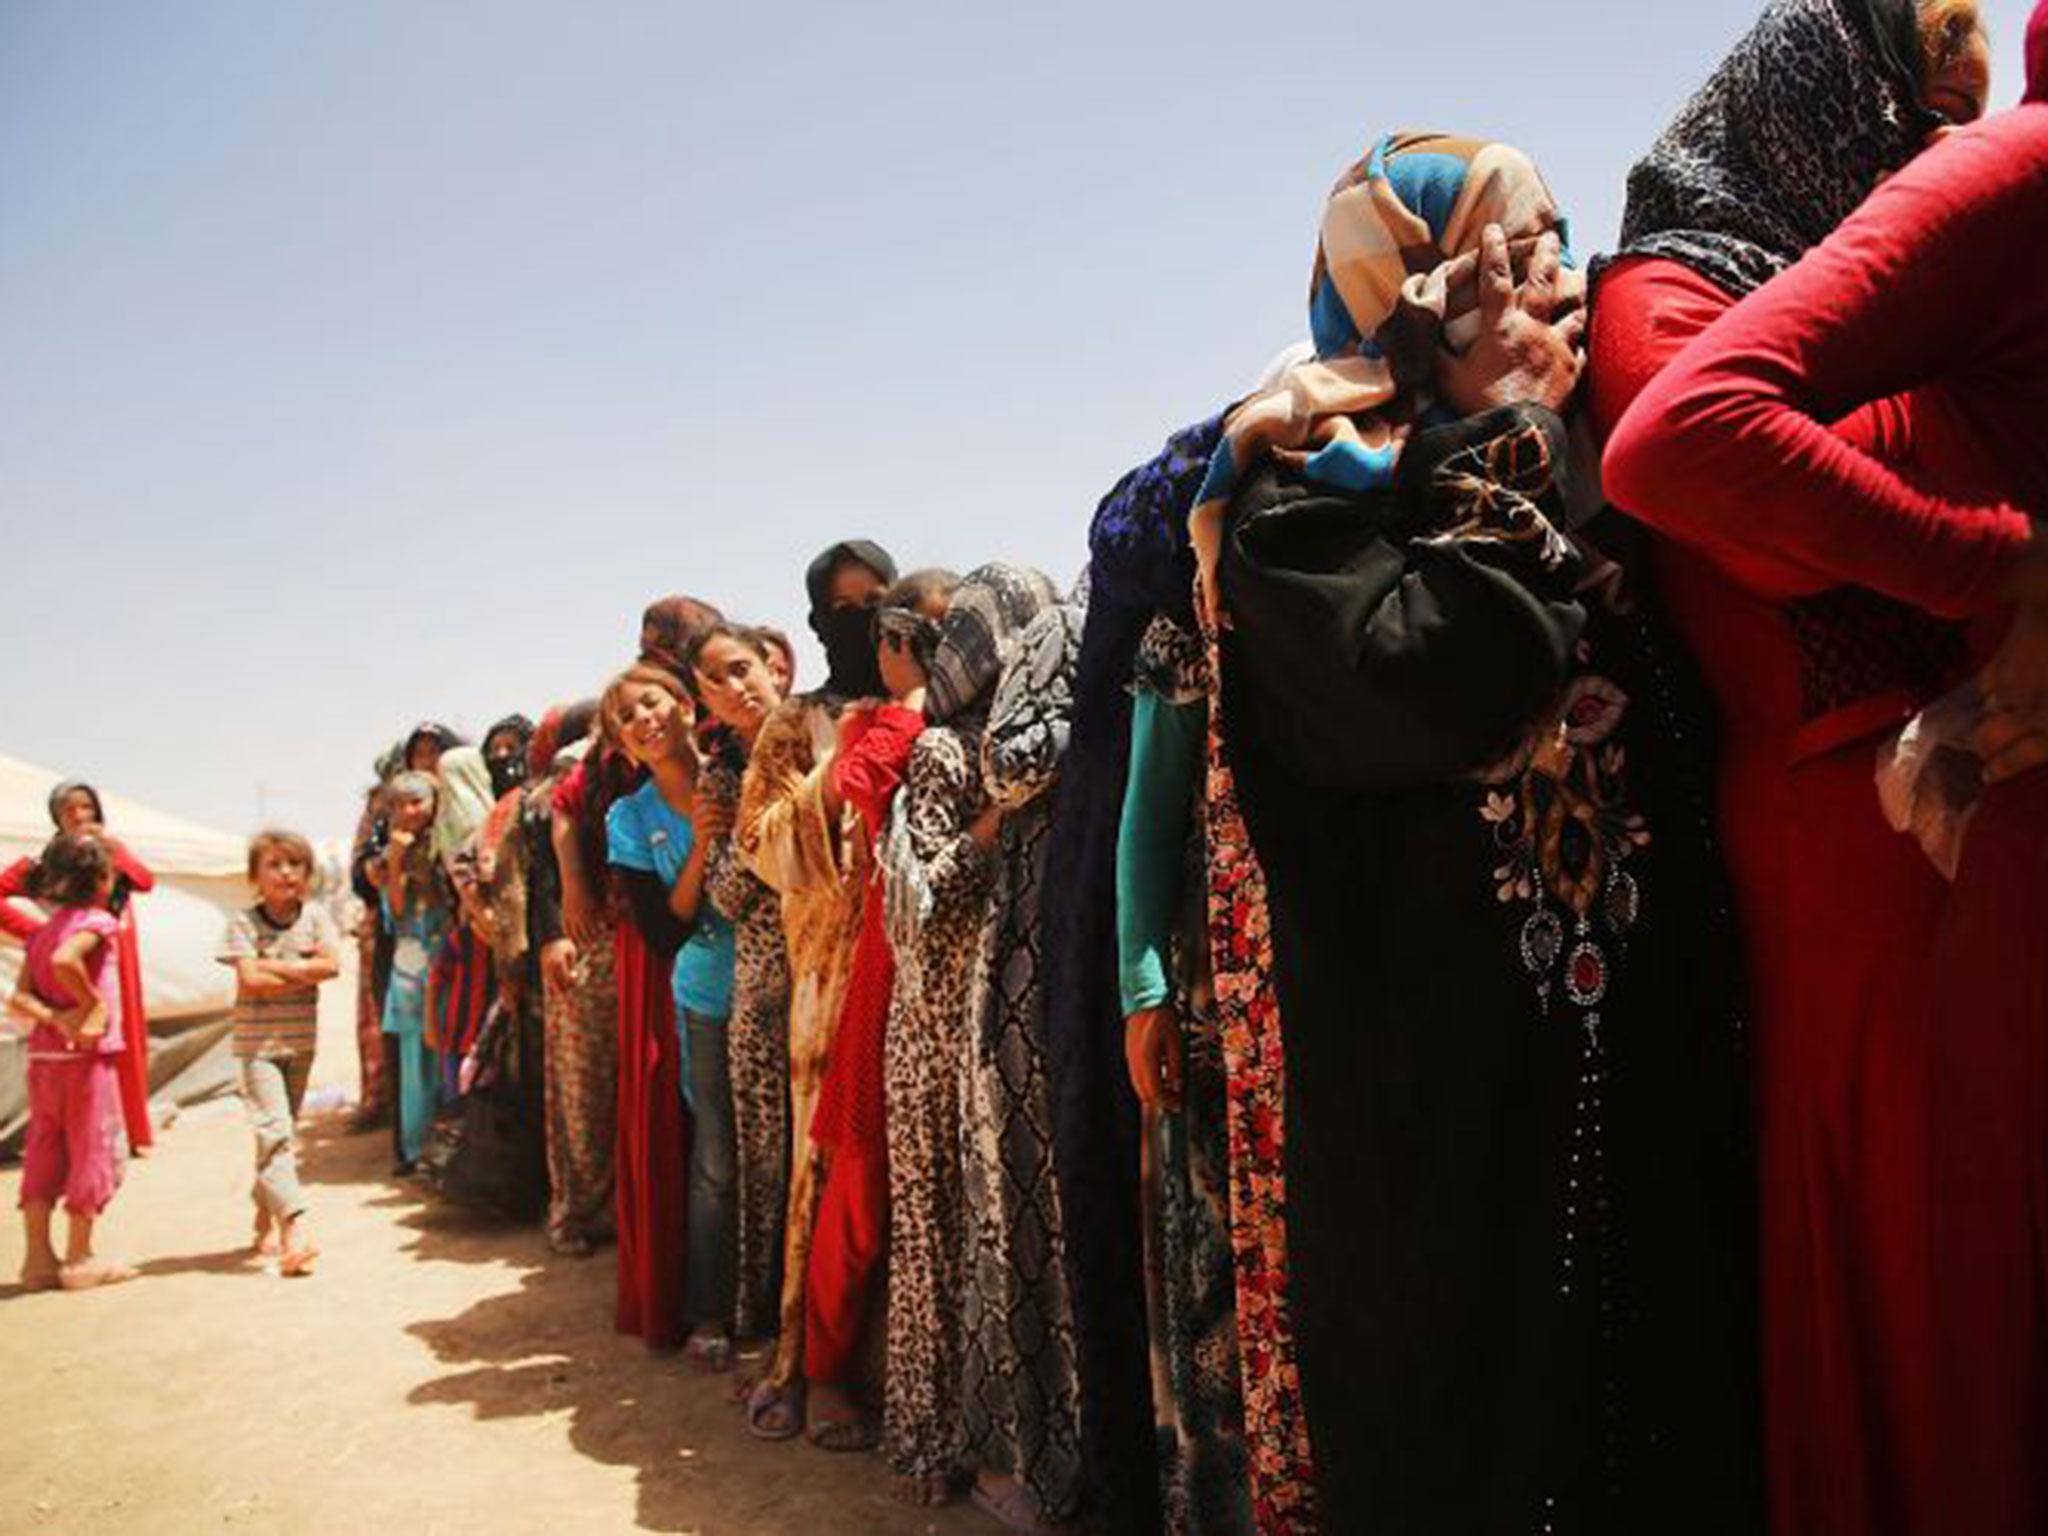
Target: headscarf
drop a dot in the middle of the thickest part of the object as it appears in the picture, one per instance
(72, 787)
(429, 730)
(847, 634)
(464, 801)
(2037, 54)
(389, 763)
(669, 626)
(1399, 243)
(1787, 137)
(508, 773)
(991, 608)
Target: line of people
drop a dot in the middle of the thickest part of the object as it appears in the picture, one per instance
(1394, 1005)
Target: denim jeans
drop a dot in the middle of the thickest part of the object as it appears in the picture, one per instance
(714, 1176)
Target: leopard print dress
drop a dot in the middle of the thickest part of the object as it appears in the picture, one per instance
(938, 884)
(758, 1042)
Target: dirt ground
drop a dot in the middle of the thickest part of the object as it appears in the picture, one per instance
(439, 1376)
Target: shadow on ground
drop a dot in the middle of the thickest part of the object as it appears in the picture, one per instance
(546, 1349)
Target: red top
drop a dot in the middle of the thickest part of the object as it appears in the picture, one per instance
(1731, 449)
(873, 757)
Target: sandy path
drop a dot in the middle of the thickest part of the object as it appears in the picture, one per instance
(440, 1375)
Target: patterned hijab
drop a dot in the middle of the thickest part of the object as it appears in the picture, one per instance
(1783, 142)
(1396, 268)
(464, 801)
(991, 608)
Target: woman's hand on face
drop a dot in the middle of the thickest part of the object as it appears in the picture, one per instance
(1532, 339)
(1152, 1052)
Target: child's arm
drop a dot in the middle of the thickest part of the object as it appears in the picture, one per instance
(26, 1008)
(87, 1015)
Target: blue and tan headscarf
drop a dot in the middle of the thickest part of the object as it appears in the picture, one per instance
(1400, 242)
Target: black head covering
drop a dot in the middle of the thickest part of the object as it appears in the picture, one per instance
(433, 730)
(71, 787)
(847, 635)
(508, 773)
(1782, 143)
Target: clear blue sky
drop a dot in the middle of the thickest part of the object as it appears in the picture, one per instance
(365, 359)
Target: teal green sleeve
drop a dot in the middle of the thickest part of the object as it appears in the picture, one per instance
(1151, 844)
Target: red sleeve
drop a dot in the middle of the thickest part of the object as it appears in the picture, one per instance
(567, 799)
(132, 869)
(869, 769)
(14, 921)
(1730, 445)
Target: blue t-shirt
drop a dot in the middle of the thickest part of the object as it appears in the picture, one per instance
(643, 832)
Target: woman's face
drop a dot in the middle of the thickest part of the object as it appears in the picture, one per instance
(736, 683)
(1956, 64)
(854, 586)
(424, 756)
(76, 812)
(652, 723)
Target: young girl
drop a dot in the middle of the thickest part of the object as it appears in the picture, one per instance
(675, 968)
(416, 911)
(746, 1064)
(70, 997)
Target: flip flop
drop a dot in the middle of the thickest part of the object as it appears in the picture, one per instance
(834, 1434)
(775, 1413)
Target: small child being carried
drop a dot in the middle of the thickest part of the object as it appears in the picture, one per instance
(282, 949)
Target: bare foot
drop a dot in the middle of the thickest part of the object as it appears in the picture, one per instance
(264, 1242)
(41, 1277)
(299, 1250)
(91, 1274)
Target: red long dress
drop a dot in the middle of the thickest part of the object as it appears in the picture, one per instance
(134, 1063)
(1728, 452)
(850, 1123)
(653, 1157)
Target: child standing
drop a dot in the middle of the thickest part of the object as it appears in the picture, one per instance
(281, 949)
(69, 995)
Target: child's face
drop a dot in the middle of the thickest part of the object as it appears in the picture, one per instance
(76, 812)
(425, 756)
(653, 724)
(281, 879)
(409, 815)
(737, 685)
(902, 672)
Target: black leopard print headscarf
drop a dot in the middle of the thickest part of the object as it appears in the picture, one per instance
(1783, 142)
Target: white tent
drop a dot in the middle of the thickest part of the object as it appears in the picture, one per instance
(200, 881)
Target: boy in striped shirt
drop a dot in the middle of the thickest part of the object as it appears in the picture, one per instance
(282, 949)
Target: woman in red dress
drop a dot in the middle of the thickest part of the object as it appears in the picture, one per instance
(75, 807)
(1834, 466)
